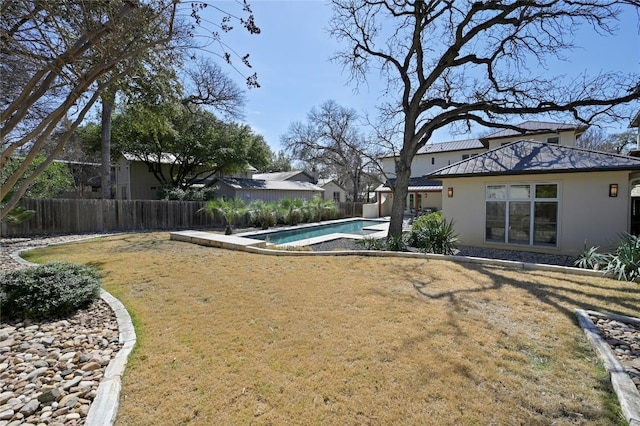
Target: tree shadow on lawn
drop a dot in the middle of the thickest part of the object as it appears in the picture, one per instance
(555, 296)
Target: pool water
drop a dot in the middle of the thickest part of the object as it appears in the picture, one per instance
(291, 235)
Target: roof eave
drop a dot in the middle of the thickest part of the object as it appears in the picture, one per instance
(536, 172)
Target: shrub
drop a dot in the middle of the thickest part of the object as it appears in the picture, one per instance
(47, 291)
(391, 243)
(437, 236)
(370, 243)
(423, 221)
(178, 194)
(263, 215)
(397, 242)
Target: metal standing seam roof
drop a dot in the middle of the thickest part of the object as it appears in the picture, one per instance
(261, 184)
(534, 127)
(462, 145)
(531, 157)
(280, 175)
(415, 184)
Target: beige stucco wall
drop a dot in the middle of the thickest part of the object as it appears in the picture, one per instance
(586, 212)
(566, 139)
(421, 164)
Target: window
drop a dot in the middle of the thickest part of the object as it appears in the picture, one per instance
(554, 139)
(465, 156)
(522, 214)
(433, 160)
(336, 197)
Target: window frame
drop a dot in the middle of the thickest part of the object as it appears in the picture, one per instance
(507, 200)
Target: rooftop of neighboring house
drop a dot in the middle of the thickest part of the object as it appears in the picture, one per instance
(282, 175)
(528, 128)
(536, 127)
(283, 185)
(323, 182)
(531, 157)
(420, 183)
(165, 157)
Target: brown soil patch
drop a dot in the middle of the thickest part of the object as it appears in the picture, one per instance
(230, 338)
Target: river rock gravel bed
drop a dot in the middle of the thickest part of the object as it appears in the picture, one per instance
(50, 370)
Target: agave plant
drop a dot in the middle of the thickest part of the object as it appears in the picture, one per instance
(231, 210)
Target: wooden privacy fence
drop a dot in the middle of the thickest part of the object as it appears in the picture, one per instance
(78, 216)
(81, 216)
(350, 209)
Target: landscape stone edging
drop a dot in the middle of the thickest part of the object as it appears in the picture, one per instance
(104, 407)
(625, 389)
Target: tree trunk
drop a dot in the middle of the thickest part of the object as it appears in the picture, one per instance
(107, 112)
(400, 191)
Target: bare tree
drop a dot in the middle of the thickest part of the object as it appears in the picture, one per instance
(596, 138)
(463, 62)
(331, 138)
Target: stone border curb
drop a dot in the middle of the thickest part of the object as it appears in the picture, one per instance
(104, 407)
(625, 389)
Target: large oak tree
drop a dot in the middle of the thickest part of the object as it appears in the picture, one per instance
(474, 62)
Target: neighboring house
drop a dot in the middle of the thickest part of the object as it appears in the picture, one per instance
(266, 190)
(427, 193)
(300, 175)
(539, 196)
(333, 190)
(135, 181)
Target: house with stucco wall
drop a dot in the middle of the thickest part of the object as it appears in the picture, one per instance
(538, 196)
(425, 192)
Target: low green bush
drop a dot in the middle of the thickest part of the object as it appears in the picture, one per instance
(370, 243)
(425, 220)
(391, 243)
(51, 290)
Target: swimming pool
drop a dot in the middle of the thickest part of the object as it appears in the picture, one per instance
(353, 227)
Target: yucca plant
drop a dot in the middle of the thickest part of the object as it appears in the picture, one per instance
(591, 259)
(625, 263)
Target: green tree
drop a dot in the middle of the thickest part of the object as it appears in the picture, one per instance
(53, 180)
(469, 62)
(195, 143)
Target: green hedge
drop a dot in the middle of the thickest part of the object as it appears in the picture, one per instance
(48, 291)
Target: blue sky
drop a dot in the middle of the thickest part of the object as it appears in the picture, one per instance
(291, 56)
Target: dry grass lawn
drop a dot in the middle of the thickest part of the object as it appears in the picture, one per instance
(234, 338)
